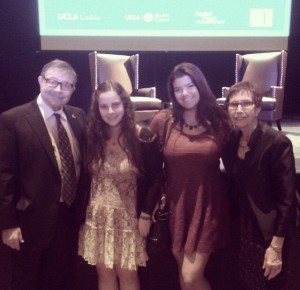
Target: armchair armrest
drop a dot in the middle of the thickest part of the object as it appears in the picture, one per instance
(145, 92)
(277, 92)
(273, 99)
(278, 95)
(221, 101)
(225, 91)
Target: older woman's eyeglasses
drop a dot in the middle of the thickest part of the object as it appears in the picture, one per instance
(65, 86)
(244, 104)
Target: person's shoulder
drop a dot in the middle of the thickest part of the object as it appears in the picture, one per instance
(270, 132)
(75, 111)
(18, 111)
(273, 136)
(163, 114)
(161, 117)
(73, 108)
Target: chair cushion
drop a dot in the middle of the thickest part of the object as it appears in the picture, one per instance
(114, 67)
(145, 103)
(145, 116)
(261, 70)
(221, 102)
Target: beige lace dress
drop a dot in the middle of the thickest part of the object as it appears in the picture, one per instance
(110, 233)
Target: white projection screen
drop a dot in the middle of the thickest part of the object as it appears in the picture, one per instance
(164, 25)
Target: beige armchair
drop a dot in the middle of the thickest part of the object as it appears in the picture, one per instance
(125, 70)
(267, 72)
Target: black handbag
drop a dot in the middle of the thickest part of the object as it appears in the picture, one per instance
(159, 238)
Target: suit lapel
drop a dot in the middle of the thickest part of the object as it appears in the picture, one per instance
(36, 121)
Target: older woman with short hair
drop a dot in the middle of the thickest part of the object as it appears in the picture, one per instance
(261, 166)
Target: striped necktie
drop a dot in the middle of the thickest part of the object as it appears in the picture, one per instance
(67, 163)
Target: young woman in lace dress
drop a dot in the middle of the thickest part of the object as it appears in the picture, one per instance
(122, 160)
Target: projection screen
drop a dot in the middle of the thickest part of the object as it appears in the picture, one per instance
(164, 25)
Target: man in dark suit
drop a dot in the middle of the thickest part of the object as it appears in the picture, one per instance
(39, 198)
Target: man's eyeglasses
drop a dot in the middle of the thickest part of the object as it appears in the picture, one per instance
(52, 83)
(244, 105)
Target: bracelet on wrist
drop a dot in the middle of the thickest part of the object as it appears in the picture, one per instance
(144, 217)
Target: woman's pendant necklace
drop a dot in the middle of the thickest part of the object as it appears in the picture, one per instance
(191, 127)
(112, 146)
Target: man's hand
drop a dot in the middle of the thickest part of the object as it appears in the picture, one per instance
(12, 238)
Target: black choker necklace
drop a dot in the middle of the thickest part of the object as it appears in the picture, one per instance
(191, 127)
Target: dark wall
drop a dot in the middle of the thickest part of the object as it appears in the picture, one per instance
(21, 61)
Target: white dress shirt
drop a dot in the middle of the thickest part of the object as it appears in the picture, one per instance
(50, 121)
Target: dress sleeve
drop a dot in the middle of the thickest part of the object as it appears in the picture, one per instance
(157, 123)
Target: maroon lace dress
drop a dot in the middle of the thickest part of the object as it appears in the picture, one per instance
(196, 190)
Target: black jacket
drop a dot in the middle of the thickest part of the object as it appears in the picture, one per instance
(30, 180)
(269, 178)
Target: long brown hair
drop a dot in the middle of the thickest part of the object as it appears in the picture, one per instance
(208, 112)
(98, 132)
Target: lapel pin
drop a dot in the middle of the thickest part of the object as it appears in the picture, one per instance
(73, 116)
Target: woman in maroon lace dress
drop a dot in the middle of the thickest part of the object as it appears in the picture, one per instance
(197, 129)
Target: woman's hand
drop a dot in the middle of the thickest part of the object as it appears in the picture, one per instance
(272, 262)
(144, 224)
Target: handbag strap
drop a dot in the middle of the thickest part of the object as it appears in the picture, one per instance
(165, 137)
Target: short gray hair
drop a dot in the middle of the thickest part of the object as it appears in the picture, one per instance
(59, 64)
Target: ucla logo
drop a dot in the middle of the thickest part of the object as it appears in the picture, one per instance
(67, 16)
(132, 17)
